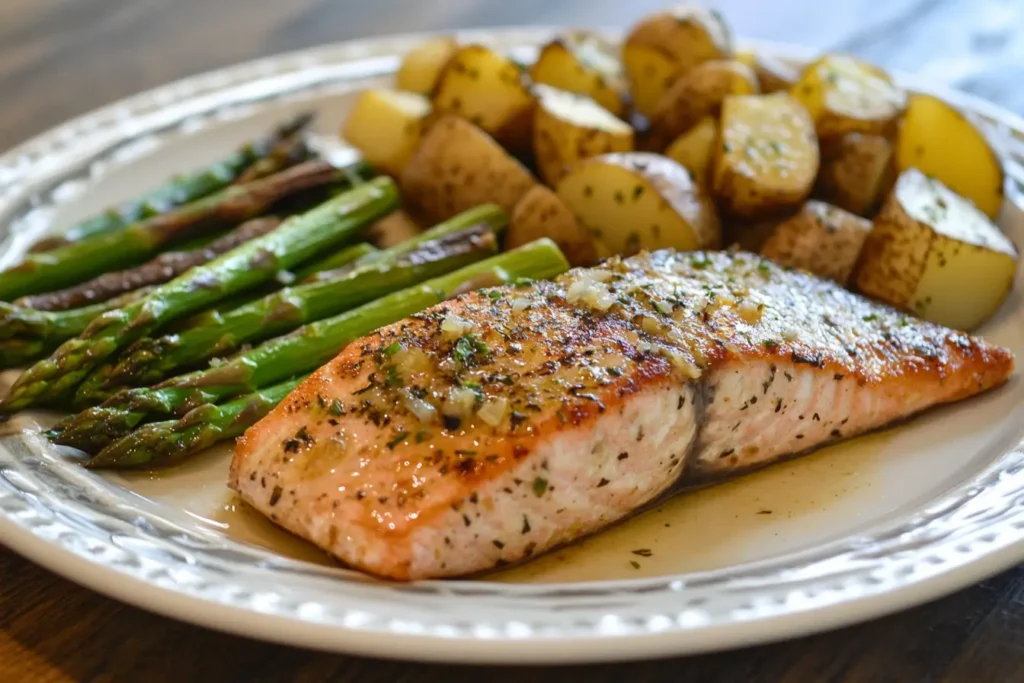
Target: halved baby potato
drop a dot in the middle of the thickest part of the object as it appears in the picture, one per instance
(697, 94)
(568, 127)
(695, 149)
(584, 63)
(422, 65)
(386, 127)
(939, 141)
(857, 172)
(458, 167)
(396, 227)
(638, 200)
(773, 74)
(488, 90)
(665, 45)
(540, 213)
(846, 95)
(821, 239)
(768, 156)
(934, 253)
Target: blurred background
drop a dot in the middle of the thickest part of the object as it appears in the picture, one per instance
(60, 58)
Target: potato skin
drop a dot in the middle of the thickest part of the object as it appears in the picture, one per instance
(540, 213)
(458, 167)
(774, 75)
(422, 65)
(768, 157)
(821, 239)
(857, 172)
(697, 94)
(583, 63)
(695, 149)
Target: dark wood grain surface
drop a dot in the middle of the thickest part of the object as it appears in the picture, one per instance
(60, 58)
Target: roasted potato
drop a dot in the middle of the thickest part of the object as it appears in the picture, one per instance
(422, 65)
(695, 149)
(820, 238)
(457, 167)
(768, 156)
(663, 46)
(584, 63)
(638, 200)
(846, 95)
(386, 127)
(936, 139)
(395, 228)
(540, 213)
(857, 171)
(488, 90)
(697, 94)
(934, 253)
(568, 127)
(773, 74)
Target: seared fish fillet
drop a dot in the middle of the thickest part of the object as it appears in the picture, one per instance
(505, 422)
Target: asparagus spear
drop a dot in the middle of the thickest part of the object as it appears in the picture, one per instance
(162, 443)
(255, 262)
(90, 257)
(159, 270)
(187, 188)
(59, 326)
(151, 360)
(18, 352)
(301, 351)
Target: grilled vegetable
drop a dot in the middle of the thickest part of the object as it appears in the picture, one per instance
(820, 239)
(422, 66)
(934, 253)
(695, 149)
(857, 172)
(386, 127)
(639, 200)
(540, 213)
(584, 63)
(569, 127)
(768, 156)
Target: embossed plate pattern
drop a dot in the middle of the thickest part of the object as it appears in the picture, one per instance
(94, 532)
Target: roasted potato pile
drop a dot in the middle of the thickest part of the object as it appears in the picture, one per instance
(662, 140)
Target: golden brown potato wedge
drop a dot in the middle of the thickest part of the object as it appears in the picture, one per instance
(584, 63)
(663, 46)
(934, 253)
(386, 127)
(937, 139)
(768, 156)
(774, 74)
(395, 228)
(857, 172)
(540, 213)
(457, 167)
(639, 200)
(847, 95)
(695, 149)
(489, 90)
(422, 65)
(568, 127)
(697, 94)
(821, 239)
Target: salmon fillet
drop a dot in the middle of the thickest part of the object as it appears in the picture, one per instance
(505, 422)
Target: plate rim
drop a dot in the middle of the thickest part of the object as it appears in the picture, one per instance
(293, 630)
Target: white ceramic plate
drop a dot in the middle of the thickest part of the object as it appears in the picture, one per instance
(851, 532)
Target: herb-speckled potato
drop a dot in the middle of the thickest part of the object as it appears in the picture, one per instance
(768, 156)
(772, 74)
(936, 139)
(846, 95)
(386, 127)
(458, 167)
(422, 65)
(857, 172)
(663, 46)
(695, 149)
(821, 239)
(697, 94)
(586, 64)
(488, 90)
(568, 127)
(638, 200)
(934, 253)
(540, 213)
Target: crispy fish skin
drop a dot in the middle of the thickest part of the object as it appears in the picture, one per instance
(505, 422)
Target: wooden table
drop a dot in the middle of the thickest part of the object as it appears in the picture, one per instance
(60, 58)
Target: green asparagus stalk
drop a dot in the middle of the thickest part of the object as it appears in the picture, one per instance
(150, 360)
(163, 443)
(59, 326)
(18, 352)
(102, 253)
(254, 262)
(299, 352)
(187, 188)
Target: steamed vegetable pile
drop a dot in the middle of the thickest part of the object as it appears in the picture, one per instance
(179, 320)
(676, 139)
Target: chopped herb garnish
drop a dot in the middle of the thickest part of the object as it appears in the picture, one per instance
(642, 552)
(422, 436)
(464, 452)
(700, 261)
(522, 282)
(870, 318)
(392, 348)
(494, 294)
(540, 486)
(634, 564)
(399, 438)
(336, 408)
(770, 343)
(393, 379)
(467, 347)
(363, 390)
